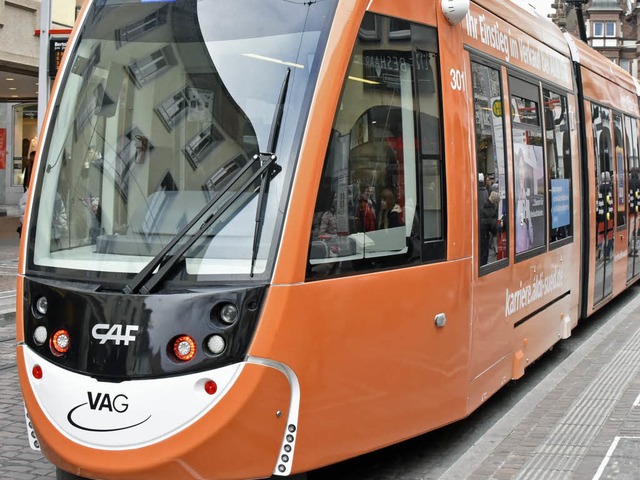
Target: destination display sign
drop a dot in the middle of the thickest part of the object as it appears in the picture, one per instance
(56, 50)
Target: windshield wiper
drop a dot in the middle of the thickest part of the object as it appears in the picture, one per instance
(146, 281)
(266, 180)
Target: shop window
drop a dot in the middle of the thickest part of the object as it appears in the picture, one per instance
(558, 147)
(530, 191)
(25, 119)
(383, 176)
(491, 166)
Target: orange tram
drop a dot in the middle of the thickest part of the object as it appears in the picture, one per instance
(265, 236)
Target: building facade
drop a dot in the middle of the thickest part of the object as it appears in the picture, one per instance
(19, 52)
(611, 27)
(19, 67)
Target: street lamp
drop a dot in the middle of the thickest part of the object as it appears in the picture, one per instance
(43, 62)
(577, 6)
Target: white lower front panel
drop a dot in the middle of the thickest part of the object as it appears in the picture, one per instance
(131, 414)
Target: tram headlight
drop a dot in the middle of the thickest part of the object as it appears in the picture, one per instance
(184, 348)
(60, 342)
(216, 344)
(42, 305)
(40, 335)
(228, 313)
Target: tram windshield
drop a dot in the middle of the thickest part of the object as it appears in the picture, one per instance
(163, 106)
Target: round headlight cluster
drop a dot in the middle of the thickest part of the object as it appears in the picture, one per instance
(42, 305)
(184, 348)
(216, 344)
(60, 342)
(229, 313)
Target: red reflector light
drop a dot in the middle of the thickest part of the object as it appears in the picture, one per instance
(184, 348)
(211, 387)
(37, 372)
(60, 342)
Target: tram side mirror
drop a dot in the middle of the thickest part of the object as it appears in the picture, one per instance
(455, 10)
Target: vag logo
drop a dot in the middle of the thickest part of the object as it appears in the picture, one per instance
(97, 413)
(103, 401)
(116, 333)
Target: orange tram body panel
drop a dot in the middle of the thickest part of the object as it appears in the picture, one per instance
(255, 252)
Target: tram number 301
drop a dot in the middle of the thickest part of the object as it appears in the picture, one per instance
(457, 79)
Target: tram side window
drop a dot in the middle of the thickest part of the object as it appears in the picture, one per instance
(602, 144)
(633, 162)
(633, 189)
(491, 165)
(368, 212)
(530, 189)
(558, 146)
(618, 139)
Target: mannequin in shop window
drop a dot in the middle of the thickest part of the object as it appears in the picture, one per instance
(33, 144)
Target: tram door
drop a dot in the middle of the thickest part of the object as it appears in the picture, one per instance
(633, 192)
(605, 201)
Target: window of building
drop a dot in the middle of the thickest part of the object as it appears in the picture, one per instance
(150, 66)
(558, 147)
(530, 191)
(604, 29)
(626, 64)
(381, 199)
(491, 166)
(610, 29)
(598, 29)
(140, 27)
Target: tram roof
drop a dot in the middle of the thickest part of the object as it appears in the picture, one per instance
(551, 35)
(588, 58)
(536, 26)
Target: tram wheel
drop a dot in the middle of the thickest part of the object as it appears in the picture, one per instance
(62, 475)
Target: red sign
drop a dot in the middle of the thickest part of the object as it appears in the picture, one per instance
(3, 148)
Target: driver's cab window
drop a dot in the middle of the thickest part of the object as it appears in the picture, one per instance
(383, 174)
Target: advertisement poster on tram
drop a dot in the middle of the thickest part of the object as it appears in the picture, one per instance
(529, 194)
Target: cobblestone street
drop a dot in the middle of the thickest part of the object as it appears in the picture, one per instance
(17, 460)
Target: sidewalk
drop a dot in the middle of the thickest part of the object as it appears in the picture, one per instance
(582, 422)
(9, 245)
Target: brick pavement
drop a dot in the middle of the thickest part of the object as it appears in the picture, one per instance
(9, 244)
(17, 460)
(581, 422)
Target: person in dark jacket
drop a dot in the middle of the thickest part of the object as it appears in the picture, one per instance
(390, 212)
(483, 194)
(488, 224)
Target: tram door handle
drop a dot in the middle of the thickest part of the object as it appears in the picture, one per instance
(440, 320)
